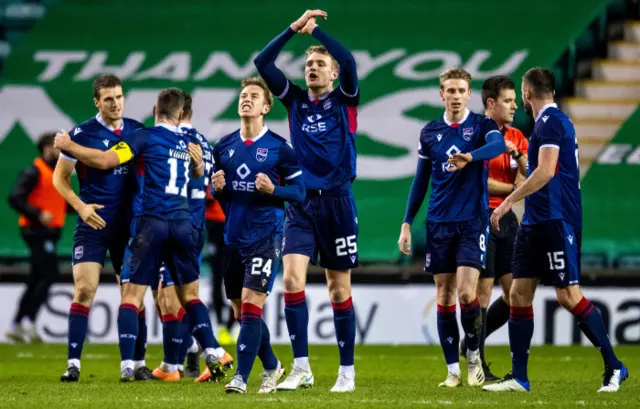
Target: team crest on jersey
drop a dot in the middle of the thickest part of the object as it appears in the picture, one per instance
(261, 154)
(467, 133)
(327, 104)
(78, 252)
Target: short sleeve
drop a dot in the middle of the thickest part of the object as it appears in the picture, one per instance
(549, 132)
(78, 137)
(137, 141)
(289, 167)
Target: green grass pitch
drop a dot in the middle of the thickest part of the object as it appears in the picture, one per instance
(386, 377)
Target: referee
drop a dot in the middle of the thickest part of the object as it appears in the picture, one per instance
(505, 173)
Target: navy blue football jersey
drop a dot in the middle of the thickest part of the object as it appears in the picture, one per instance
(323, 135)
(110, 187)
(163, 166)
(252, 216)
(462, 195)
(560, 199)
(197, 188)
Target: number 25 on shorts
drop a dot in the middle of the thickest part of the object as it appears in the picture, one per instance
(346, 245)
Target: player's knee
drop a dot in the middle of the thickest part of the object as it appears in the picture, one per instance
(520, 296)
(84, 293)
(466, 296)
(292, 282)
(568, 298)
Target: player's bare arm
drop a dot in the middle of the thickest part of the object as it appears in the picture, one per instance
(197, 164)
(500, 188)
(92, 157)
(62, 183)
(547, 161)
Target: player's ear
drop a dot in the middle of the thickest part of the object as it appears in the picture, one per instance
(441, 94)
(265, 109)
(154, 111)
(96, 102)
(334, 75)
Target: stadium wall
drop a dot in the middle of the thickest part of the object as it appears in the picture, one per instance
(392, 315)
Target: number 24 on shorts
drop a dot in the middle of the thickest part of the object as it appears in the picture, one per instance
(260, 266)
(346, 245)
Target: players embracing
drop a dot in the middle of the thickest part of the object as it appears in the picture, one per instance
(323, 122)
(453, 153)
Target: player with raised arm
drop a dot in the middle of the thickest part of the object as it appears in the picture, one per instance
(104, 208)
(323, 123)
(164, 291)
(161, 230)
(457, 222)
(505, 173)
(256, 171)
(548, 244)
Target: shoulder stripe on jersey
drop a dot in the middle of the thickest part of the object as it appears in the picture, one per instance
(286, 89)
(349, 95)
(69, 158)
(423, 157)
(490, 132)
(550, 145)
(295, 175)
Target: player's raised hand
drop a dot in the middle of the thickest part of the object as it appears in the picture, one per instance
(62, 140)
(302, 21)
(459, 161)
(217, 180)
(89, 215)
(264, 184)
(195, 152)
(500, 211)
(404, 242)
(308, 28)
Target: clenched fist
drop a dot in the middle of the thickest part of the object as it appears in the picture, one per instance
(62, 140)
(309, 14)
(264, 184)
(217, 180)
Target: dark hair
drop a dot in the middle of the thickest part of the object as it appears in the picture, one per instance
(170, 102)
(492, 87)
(46, 139)
(188, 105)
(105, 81)
(542, 82)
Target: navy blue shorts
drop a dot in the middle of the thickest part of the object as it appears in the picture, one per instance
(254, 268)
(165, 277)
(324, 224)
(549, 251)
(454, 244)
(155, 241)
(91, 245)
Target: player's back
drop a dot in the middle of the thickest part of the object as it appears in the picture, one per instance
(461, 195)
(251, 216)
(109, 188)
(197, 187)
(560, 199)
(323, 135)
(164, 169)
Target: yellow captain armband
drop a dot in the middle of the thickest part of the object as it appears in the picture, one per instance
(123, 151)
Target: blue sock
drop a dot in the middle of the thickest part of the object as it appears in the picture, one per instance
(297, 317)
(520, 334)
(78, 326)
(186, 339)
(172, 337)
(201, 324)
(141, 341)
(470, 317)
(448, 333)
(127, 330)
(268, 358)
(344, 321)
(592, 325)
(250, 338)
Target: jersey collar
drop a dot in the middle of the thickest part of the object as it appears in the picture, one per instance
(260, 134)
(544, 108)
(464, 118)
(185, 125)
(172, 128)
(103, 123)
(322, 98)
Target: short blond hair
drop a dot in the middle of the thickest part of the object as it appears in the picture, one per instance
(320, 49)
(455, 74)
(268, 96)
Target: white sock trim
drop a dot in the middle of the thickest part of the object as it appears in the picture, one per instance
(126, 364)
(193, 349)
(73, 362)
(454, 368)
(348, 370)
(302, 363)
(138, 364)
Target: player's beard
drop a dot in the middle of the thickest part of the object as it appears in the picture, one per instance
(528, 109)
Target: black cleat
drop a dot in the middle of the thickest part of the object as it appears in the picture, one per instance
(193, 365)
(143, 374)
(488, 376)
(72, 374)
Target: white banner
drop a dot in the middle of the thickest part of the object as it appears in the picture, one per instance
(386, 314)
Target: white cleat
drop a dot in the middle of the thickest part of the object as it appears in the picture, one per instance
(345, 383)
(508, 384)
(236, 385)
(475, 375)
(270, 379)
(297, 378)
(612, 379)
(452, 381)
